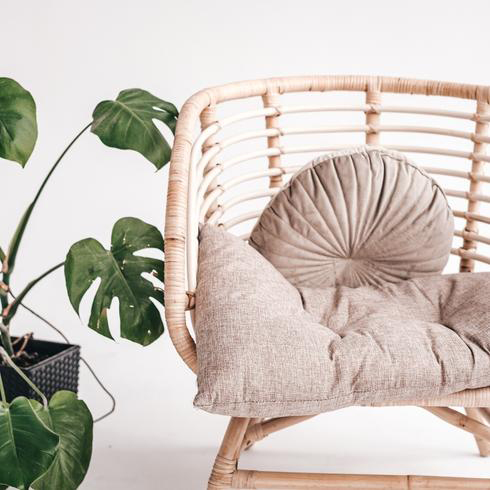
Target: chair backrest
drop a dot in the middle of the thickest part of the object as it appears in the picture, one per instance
(253, 135)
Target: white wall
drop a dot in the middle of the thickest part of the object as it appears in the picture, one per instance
(71, 55)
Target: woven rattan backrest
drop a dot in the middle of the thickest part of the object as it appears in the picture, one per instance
(230, 158)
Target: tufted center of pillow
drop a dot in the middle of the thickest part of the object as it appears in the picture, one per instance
(356, 217)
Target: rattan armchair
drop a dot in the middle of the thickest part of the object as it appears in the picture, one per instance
(226, 178)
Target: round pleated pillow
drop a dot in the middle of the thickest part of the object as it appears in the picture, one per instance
(356, 217)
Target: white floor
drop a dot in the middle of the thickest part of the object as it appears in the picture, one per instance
(156, 440)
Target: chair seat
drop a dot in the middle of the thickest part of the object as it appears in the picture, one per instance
(267, 349)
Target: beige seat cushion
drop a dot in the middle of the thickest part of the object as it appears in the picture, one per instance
(267, 349)
(356, 217)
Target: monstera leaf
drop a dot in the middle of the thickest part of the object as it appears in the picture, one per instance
(72, 421)
(18, 127)
(120, 272)
(27, 446)
(127, 123)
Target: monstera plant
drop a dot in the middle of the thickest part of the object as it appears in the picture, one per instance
(47, 444)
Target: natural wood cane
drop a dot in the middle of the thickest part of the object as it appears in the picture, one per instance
(225, 464)
(272, 480)
(461, 421)
(477, 168)
(226, 475)
(260, 430)
(373, 99)
(483, 445)
(208, 116)
(176, 210)
(180, 266)
(248, 442)
(271, 99)
(470, 236)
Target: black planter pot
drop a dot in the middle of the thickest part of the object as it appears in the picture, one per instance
(59, 371)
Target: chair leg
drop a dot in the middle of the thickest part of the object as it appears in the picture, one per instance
(483, 445)
(261, 428)
(225, 464)
(246, 479)
(247, 444)
(461, 421)
(485, 413)
(226, 475)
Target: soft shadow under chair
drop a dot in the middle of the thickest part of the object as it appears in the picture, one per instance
(206, 186)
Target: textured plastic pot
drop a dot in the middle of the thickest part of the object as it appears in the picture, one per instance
(59, 371)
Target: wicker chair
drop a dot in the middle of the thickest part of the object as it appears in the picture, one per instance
(208, 183)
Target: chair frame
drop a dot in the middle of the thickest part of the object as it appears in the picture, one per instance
(193, 196)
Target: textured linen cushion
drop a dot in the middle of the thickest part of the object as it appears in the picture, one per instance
(356, 217)
(266, 348)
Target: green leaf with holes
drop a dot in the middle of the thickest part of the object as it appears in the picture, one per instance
(70, 418)
(128, 123)
(18, 126)
(27, 446)
(120, 272)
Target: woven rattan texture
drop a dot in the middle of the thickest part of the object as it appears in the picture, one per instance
(51, 375)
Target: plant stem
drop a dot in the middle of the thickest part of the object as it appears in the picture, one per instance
(11, 309)
(2, 390)
(8, 260)
(89, 367)
(4, 300)
(19, 232)
(53, 168)
(6, 340)
(23, 376)
(4, 329)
